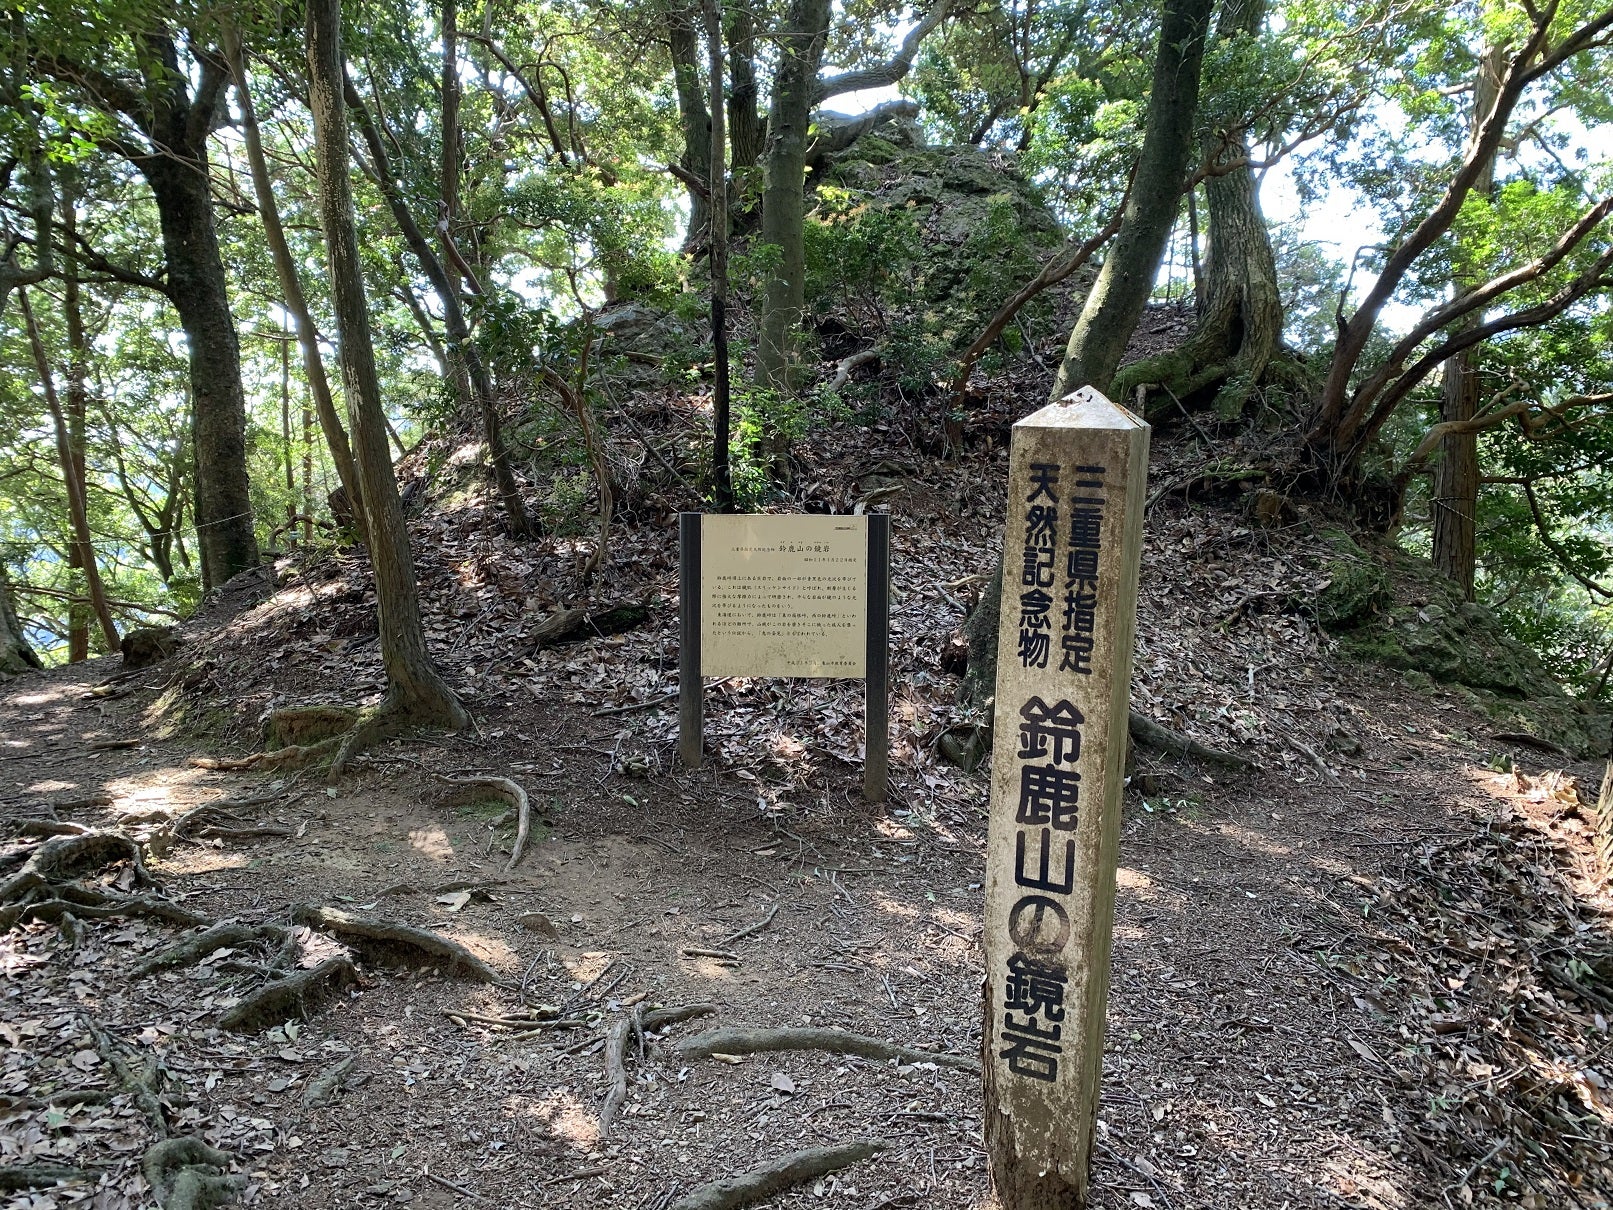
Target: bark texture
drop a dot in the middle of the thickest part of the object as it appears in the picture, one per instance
(1455, 500)
(784, 192)
(1240, 323)
(415, 690)
(722, 480)
(15, 655)
(179, 175)
(1121, 291)
(693, 116)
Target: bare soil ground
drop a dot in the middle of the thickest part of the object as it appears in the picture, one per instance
(1377, 972)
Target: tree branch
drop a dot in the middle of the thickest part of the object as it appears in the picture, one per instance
(893, 69)
(1561, 555)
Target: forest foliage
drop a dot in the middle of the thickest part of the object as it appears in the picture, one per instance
(531, 189)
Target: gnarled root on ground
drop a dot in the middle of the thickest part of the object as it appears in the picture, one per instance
(1150, 734)
(63, 857)
(282, 999)
(187, 1174)
(742, 1040)
(776, 1176)
(630, 1026)
(381, 942)
(188, 951)
(469, 789)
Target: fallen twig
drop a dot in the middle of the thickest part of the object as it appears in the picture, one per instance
(752, 929)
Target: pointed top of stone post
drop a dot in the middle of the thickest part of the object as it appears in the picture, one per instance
(1086, 408)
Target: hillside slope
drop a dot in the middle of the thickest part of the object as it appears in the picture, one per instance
(1377, 971)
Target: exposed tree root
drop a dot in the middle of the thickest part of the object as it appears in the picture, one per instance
(741, 1040)
(15, 1178)
(471, 788)
(568, 625)
(660, 1018)
(776, 1176)
(187, 1174)
(290, 997)
(92, 905)
(631, 1025)
(1150, 734)
(141, 1084)
(300, 726)
(381, 942)
(298, 756)
(63, 857)
(188, 951)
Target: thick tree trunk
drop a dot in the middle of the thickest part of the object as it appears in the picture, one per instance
(1455, 498)
(693, 116)
(1118, 297)
(296, 302)
(784, 193)
(179, 180)
(72, 480)
(747, 126)
(1240, 321)
(415, 690)
(16, 656)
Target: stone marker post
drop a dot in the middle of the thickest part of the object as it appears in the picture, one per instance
(1069, 608)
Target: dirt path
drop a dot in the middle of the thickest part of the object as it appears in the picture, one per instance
(1259, 1049)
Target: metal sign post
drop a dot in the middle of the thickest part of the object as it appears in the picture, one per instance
(1071, 548)
(786, 595)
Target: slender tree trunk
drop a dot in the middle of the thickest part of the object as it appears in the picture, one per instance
(77, 509)
(1116, 301)
(460, 345)
(16, 657)
(693, 115)
(179, 180)
(784, 193)
(1455, 499)
(415, 690)
(717, 185)
(296, 302)
(79, 612)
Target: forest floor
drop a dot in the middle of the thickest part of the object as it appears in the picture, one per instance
(1374, 972)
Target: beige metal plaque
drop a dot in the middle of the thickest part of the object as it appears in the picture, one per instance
(1069, 596)
(783, 595)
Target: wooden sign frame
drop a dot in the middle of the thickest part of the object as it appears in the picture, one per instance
(876, 669)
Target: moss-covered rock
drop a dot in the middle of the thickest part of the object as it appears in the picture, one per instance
(1390, 608)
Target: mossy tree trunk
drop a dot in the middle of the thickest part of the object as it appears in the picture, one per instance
(1116, 300)
(416, 693)
(1455, 497)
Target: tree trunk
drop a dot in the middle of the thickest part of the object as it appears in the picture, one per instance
(1455, 498)
(461, 348)
(72, 481)
(16, 656)
(784, 193)
(295, 301)
(1240, 309)
(1118, 297)
(415, 690)
(747, 127)
(722, 478)
(693, 116)
(179, 178)
(79, 611)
